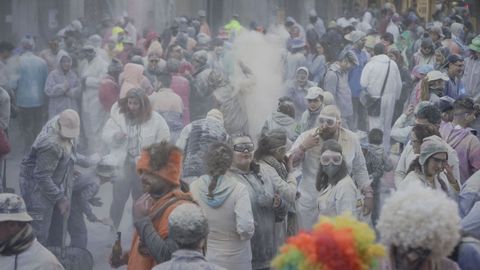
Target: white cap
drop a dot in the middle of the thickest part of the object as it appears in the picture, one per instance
(436, 75)
(12, 208)
(69, 124)
(314, 92)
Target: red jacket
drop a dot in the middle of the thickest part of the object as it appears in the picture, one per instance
(108, 92)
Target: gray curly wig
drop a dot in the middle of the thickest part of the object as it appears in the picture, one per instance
(187, 226)
(419, 217)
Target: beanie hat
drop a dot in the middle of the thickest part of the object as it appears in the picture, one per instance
(431, 146)
(170, 172)
(339, 242)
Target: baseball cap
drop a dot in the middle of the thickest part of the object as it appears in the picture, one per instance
(453, 58)
(13, 208)
(69, 124)
(445, 104)
(436, 75)
(314, 92)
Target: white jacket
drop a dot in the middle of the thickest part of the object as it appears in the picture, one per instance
(93, 115)
(353, 156)
(231, 226)
(408, 156)
(286, 189)
(374, 73)
(340, 198)
(152, 131)
(401, 129)
(415, 177)
(36, 257)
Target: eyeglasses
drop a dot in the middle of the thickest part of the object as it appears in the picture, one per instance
(327, 159)
(328, 121)
(241, 147)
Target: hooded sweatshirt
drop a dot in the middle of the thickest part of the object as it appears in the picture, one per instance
(230, 220)
(132, 77)
(467, 146)
(221, 192)
(281, 120)
(63, 89)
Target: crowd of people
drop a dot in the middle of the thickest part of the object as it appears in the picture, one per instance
(376, 104)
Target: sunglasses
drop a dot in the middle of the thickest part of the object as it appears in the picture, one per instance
(329, 122)
(327, 159)
(241, 147)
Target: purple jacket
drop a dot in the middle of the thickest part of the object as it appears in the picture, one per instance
(467, 146)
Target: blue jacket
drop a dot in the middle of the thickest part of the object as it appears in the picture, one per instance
(29, 80)
(356, 72)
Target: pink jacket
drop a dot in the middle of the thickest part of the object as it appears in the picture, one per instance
(132, 77)
(181, 86)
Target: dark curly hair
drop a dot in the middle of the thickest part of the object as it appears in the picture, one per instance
(218, 160)
(160, 154)
(423, 131)
(431, 113)
(285, 106)
(269, 141)
(375, 136)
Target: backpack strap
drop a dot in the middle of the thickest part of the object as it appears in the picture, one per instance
(386, 78)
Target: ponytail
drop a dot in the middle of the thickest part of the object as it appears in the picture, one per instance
(212, 185)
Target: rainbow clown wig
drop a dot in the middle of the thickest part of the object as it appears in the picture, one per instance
(335, 243)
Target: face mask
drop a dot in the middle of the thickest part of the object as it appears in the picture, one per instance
(331, 170)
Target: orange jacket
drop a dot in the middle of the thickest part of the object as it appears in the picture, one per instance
(138, 261)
